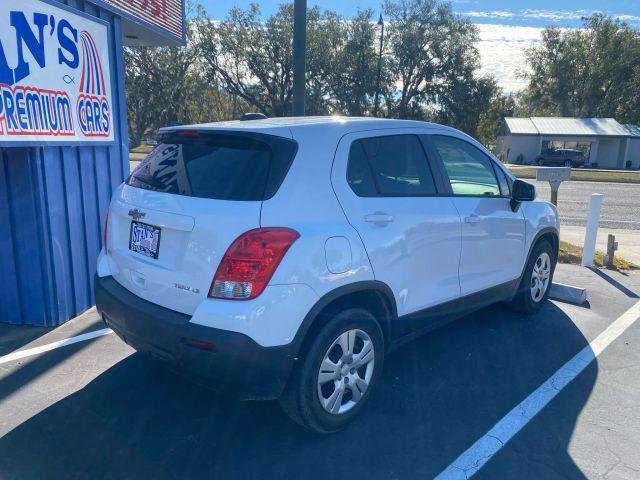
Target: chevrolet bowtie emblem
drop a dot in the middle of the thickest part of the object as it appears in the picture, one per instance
(136, 214)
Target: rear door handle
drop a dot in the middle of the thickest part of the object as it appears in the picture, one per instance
(379, 218)
(472, 219)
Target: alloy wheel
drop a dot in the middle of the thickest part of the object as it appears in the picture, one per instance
(345, 371)
(540, 277)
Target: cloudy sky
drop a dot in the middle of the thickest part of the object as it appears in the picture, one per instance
(506, 27)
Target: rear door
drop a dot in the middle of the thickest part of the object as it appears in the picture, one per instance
(493, 235)
(391, 196)
(182, 207)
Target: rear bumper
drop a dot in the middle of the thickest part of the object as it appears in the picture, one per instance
(237, 363)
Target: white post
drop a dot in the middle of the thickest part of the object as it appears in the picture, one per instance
(590, 235)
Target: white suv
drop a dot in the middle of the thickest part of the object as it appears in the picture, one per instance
(282, 258)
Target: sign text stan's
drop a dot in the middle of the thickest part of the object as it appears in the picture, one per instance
(55, 83)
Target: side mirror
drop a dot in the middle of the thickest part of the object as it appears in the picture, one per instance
(521, 192)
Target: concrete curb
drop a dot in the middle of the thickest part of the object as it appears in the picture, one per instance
(568, 293)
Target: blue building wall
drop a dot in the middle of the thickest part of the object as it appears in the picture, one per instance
(52, 206)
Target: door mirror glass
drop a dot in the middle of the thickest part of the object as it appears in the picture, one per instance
(523, 191)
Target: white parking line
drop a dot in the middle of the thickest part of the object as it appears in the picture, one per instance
(473, 459)
(53, 345)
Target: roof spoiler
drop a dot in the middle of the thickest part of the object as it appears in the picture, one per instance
(252, 116)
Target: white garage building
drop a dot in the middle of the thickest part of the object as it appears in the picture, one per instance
(605, 142)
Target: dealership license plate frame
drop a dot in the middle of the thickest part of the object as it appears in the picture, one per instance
(140, 249)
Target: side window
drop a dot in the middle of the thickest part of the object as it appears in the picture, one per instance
(359, 172)
(503, 181)
(470, 171)
(397, 166)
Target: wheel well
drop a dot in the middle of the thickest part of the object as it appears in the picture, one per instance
(552, 238)
(374, 301)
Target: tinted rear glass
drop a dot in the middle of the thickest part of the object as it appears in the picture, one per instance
(221, 167)
(359, 173)
(393, 165)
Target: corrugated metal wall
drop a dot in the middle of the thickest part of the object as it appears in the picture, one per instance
(52, 206)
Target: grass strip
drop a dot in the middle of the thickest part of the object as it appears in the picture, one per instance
(572, 254)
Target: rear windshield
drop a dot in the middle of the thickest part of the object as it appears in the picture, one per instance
(216, 166)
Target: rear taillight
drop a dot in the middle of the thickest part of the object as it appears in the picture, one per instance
(105, 231)
(250, 262)
(187, 133)
(201, 344)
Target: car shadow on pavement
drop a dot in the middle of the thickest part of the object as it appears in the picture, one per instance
(437, 396)
(30, 368)
(13, 337)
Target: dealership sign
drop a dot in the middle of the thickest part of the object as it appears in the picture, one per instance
(55, 82)
(166, 15)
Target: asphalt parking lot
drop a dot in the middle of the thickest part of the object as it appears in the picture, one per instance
(97, 410)
(619, 205)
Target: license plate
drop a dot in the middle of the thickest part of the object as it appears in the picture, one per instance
(144, 239)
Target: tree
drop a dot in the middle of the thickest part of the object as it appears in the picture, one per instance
(156, 82)
(167, 85)
(244, 62)
(138, 87)
(432, 52)
(353, 78)
(465, 100)
(252, 59)
(589, 72)
(490, 120)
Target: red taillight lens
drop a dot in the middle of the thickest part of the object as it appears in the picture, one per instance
(105, 231)
(201, 344)
(250, 262)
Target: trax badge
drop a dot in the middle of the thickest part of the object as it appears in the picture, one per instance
(186, 288)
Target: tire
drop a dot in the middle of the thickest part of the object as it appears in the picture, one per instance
(529, 300)
(568, 163)
(301, 400)
(540, 162)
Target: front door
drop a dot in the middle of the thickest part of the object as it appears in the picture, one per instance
(493, 235)
(392, 197)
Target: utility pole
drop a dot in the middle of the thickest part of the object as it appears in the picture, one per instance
(377, 99)
(299, 55)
